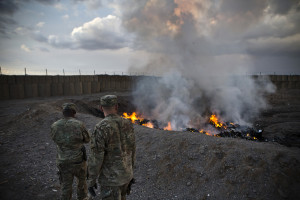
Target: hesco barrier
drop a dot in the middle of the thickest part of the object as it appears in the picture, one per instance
(20, 87)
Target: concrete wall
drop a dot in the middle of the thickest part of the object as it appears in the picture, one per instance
(20, 87)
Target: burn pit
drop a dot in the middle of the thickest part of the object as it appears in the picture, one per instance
(213, 127)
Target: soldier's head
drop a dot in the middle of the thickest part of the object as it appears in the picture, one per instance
(69, 109)
(109, 104)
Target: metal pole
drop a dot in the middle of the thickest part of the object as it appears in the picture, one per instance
(46, 73)
(64, 71)
(79, 72)
(0, 71)
(94, 72)
(25, 71)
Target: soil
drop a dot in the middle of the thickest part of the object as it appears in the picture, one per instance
(170, 164)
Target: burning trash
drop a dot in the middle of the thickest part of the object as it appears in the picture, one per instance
(215, 127)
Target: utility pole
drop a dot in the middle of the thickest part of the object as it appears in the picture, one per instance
(94, 72)
(46, 73)
(63, 71)
(0, 71)
(79, 72)
(25, 71)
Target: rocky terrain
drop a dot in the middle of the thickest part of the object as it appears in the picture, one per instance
(170, 164)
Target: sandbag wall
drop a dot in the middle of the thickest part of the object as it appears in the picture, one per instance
(20, 87)
(286, 81)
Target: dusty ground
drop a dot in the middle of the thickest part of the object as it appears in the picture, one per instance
(170, 165)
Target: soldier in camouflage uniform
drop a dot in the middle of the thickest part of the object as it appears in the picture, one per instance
(70, 134)
(112, 152)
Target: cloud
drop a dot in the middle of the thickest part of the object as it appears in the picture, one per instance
(59, 6)
(25, 48)
(100, 33)
(91, 4)
(48, 2)
(40, 24)
(43, 49)
(283, 7)
(66, 17)
(275, 46)
(8, 7)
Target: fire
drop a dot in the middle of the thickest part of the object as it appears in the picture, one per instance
(168, 128)
(215, 121)
(133, 117)
(149, 125)
(205, 132)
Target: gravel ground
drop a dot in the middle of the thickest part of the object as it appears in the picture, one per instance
(170, 164)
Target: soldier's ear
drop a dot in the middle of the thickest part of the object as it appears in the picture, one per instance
(101, 108)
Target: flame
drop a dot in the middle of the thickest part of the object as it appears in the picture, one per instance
(215, 121)
(149, 125)
(133, 117)
(168, 128)
(205, 132)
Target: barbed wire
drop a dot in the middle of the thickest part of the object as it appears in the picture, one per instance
(67, 72)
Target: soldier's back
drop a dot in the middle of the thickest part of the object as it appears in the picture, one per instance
(67, 134)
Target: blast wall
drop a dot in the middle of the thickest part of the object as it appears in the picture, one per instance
(20, 87)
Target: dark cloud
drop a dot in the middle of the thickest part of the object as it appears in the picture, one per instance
(48, 2)
(8, 7)
(284, 6)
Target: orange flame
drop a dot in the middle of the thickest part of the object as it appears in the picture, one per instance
(168, 128)
(205, 132)
(214, 119)
(149, 125)
(133, 117)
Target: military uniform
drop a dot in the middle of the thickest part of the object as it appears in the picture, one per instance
(112, 154)
(70, 134)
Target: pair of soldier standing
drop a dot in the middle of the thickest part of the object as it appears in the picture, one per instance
(112, 152)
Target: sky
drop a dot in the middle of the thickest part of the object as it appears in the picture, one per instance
(147, 36)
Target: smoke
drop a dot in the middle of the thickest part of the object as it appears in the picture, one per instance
(185, 40)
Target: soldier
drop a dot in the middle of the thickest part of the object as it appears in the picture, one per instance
(70, 134)
(112, 153)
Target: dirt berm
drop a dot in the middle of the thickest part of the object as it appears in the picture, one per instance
(170, 165)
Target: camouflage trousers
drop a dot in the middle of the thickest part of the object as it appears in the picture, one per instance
(67, 172)
(114, 192)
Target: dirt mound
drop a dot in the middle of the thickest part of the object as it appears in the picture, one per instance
(170, 165)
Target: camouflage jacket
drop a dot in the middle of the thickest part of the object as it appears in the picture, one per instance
(69, 134)
(112, 152)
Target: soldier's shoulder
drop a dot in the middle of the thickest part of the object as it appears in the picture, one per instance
(105, 122)
(75, 121)
(57, 123)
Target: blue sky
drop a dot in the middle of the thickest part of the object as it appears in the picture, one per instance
(149, 36)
